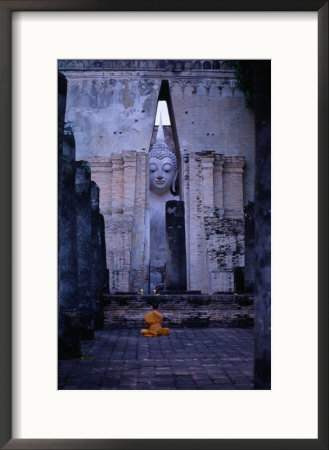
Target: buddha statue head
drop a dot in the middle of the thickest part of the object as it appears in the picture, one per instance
(163, 166)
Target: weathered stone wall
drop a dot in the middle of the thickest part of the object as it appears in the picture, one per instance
(112, 106)
(111, 112)
(210, 114)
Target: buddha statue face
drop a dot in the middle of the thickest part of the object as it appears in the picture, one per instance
(162, 175)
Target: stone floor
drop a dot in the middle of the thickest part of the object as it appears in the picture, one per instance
(189, 358)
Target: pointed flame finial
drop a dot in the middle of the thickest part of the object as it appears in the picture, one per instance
(160, 149)
(160, 134)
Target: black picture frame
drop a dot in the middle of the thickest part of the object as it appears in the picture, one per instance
(6, 8)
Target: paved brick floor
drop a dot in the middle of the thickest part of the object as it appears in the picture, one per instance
(193, 358)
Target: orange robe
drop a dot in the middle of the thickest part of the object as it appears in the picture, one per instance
(153, 322)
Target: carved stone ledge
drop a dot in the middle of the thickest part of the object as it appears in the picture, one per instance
(234, 163)
(161, 65)
(219, 161)
(99, 161)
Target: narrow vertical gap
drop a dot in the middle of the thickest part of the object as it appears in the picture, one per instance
(164, 184)
(168, 121)
(164, 95)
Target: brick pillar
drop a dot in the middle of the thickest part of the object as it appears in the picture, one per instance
(233, 186)
(104, 259)
(84, 255)
(129, 173)
(207, 166)
(117, 241)
(129, 185)
(101, 173)
(218, 183)
(185, 189)
(196, 250)
(175, 278)
(140, 238)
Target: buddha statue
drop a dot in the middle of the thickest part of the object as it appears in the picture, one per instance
(163, 167)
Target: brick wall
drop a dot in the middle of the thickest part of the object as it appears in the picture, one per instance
(214, 220)
(181, 310)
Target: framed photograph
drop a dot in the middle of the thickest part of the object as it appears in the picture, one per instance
(162, 232)
(197, 158)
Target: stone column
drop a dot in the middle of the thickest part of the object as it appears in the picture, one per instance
(233, 186)
(129, 173)
(101, 173)
(129, 185)
(68, 323)
(104, 260)
(185, 188)
(262, 89)
(140, 238)
(249, 273)
(96, 276)
(118, 281)
(175, 246)
(207, 166)
(98, 268)
(117, 182)
(197, 246)
(62, 93)
(84, 259)
(218, 184)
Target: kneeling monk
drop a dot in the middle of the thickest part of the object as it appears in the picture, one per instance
(154, 323)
